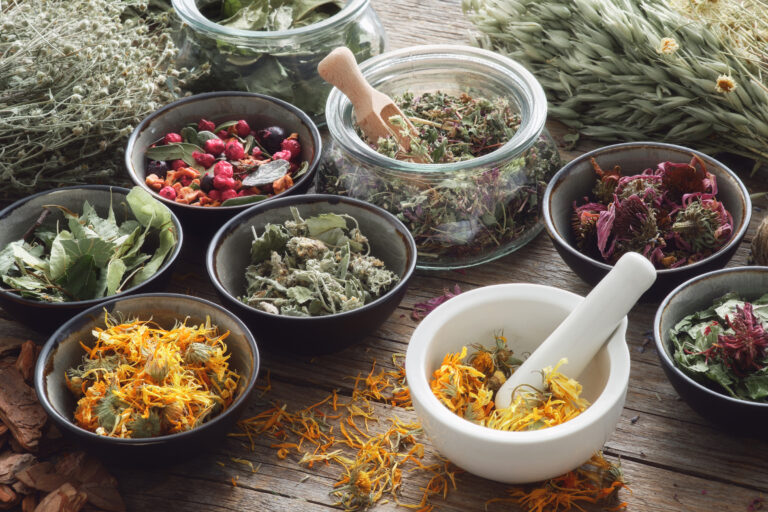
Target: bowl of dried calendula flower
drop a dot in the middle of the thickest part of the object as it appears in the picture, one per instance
(151, 373)
(462, 352)
(312, 274)
(683, 210)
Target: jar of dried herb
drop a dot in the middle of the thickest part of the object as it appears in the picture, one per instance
(250, 49)
(464, 212)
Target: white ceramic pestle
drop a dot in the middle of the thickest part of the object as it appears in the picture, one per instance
(581, 335)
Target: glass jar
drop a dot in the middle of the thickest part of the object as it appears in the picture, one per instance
(463, 213)
(280, 63)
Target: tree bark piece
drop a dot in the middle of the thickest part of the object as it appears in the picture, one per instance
(94, 480)
(25, 363)
(11, 463)
(64, 499)
(29, 503)
(8, 497)
(19, 409)
(42, 476)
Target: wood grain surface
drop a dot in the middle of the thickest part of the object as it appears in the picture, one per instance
(673, 459)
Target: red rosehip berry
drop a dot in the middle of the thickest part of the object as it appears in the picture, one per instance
(242, 128)
(178, 164)
(185, 181)
(223, 169)
(171, 138)
(228, 194)
(214, 146)
(291, 145)
(234, 150)
(282, 155)
(205, 125)
(214, 195)
(256, 152)
(204, 159)
(223, 183)
(223, 134)
(168, 193)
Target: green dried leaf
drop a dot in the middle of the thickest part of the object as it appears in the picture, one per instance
(148, 210)
(236, 201)
(175, 151)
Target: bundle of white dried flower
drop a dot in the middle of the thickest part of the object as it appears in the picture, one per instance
(75, 77)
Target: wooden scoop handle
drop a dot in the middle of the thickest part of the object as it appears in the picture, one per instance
(339, 68)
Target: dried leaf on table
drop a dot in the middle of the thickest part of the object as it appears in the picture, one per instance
(64, 499)
(19, 408)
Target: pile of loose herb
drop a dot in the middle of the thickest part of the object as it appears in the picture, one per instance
(285, 70)
(139, 380)
(384, 450)
(313, 267)
(75, 77)
(670, 215)
(450, 128)
(689, 72)
(726, 345)
(94, 257)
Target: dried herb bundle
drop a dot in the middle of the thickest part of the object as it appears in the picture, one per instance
(312, 267)
(687, 72)
(95, 257)
(75, 77)
(726, 345)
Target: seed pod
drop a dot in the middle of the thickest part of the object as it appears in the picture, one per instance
(760, 243)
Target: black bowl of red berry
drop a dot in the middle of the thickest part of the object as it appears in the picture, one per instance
(212, 155)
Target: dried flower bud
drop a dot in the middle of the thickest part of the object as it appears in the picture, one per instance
(198, 353)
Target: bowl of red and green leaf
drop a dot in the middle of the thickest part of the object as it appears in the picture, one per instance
(212, 155)
(65, 250)
(711, 337)
(683, 210)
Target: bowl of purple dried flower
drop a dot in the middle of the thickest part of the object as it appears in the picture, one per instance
(683, 210)
(711, 338)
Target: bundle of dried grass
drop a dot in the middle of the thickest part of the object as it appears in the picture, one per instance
(688, 71)
(75, 77)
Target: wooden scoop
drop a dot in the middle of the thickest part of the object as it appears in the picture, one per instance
(584, 331)
(372, 108)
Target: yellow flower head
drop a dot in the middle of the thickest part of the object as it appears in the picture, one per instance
(667, 45)
(725, 84)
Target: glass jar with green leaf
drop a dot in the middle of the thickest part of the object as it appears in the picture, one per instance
(273, 46)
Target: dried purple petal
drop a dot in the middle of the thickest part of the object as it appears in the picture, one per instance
(422, 309)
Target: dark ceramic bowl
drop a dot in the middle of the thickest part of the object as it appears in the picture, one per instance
(20, 216)
(63, 351)
(575, 181)
(259, 110)
(696, 295)
(229, 255)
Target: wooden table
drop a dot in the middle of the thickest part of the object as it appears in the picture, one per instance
(672, 458)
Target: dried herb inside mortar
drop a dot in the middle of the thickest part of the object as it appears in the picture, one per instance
(314, 267)
(726, 345)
